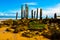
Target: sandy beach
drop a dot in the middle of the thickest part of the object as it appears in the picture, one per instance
(12, 36)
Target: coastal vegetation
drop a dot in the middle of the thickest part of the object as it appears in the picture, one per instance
(31, 28)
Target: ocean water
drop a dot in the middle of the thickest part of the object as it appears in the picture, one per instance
(13, 17)
(9, 17)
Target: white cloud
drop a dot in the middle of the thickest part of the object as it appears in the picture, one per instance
(10, 13)
(6, 14)
(31, 3)
(50, 11)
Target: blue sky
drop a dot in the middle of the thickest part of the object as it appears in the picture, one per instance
(6, 5)
(12, 6)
